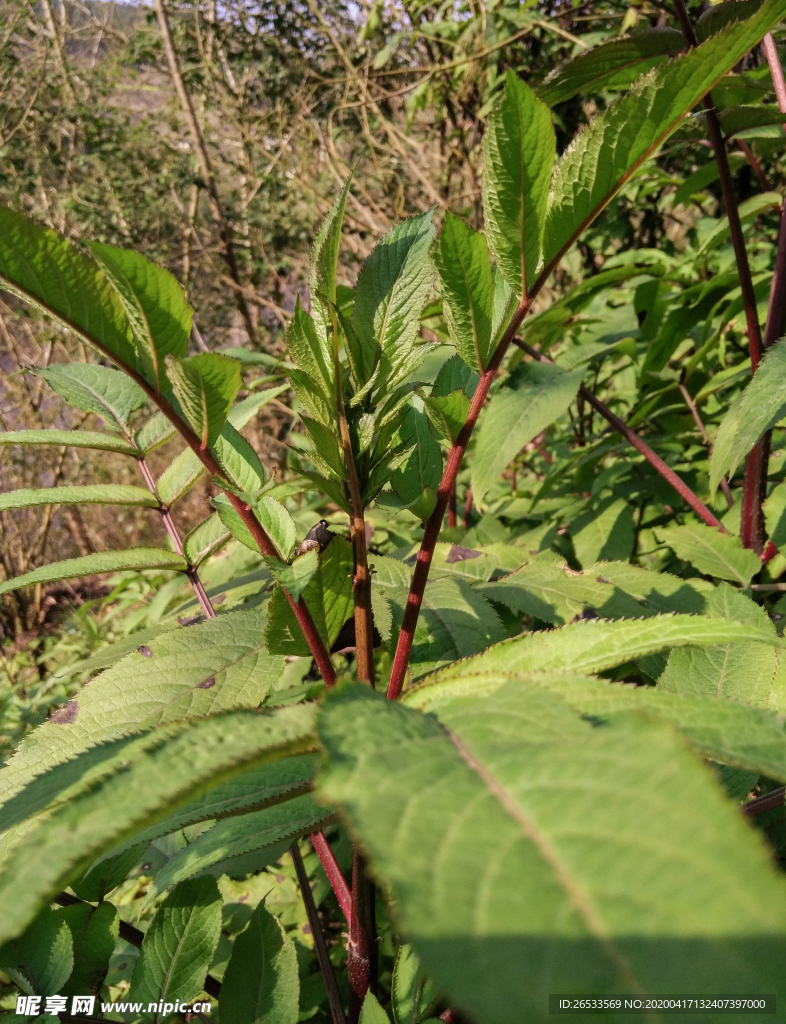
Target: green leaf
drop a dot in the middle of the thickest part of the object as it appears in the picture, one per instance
(605, 532)
(613, 65)
(730, 733)
(99, 389)
(204, 540)
(654, 591)
(328, 597)
(95, 494)
(530, 894)
(155, 432)
(605, 155)
(547, 589)
(596, 645)
(252, 790)
(412, 995)
(102, 878)
(518, 157)
(739, 119)
(532, 397)
(244, 833)
(296, 577)
(90, 565)
(461, 257)
(94, 931)
(261, 983)
(47, 271)
(739, 672)
(158, 773)
(237, 456)
(312, 349)
(43, 955)
(371, 1012)
(322, 278)
(72, 438)
(757, 408)
(748, 210)
(157, 311)
(232, 521)
(178, 947)
(423, 467)
(712, 552)
(278, 524)
(455, 622)
(205, 386)
(775, 515)
(188, 672)
(392, 288)
(718, 17)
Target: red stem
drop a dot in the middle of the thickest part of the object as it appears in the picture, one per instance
(654, 460)
(434, 525)
(467, 508)
(334, 872)
(358, 947)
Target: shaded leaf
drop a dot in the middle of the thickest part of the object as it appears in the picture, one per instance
(757, 408)
(612, 65)
(43, 956)
(710, 551)
(178, 946)
(241, 834)
(605, 532)
(261, 983)
(94, 932)
(532, 397)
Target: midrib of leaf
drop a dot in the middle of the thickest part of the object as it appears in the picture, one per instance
(578, 898)
(173, 960)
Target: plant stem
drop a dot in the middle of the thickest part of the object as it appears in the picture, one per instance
(754, 486)
(452, 506)
(320, 946)
(361, 580)
(224, 230)
(724, 484)
(654, 460)
(360, 936)
(334, 872)
(174, 533)
(434, 524)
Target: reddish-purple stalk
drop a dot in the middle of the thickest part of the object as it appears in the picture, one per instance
(320, 945)
(172, 530)
(360, 930)
(754, 485)
(654, 460)
(333, 871)
(434, 524)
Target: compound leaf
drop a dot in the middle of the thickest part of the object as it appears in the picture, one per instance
(99, 389)
(91, 565)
